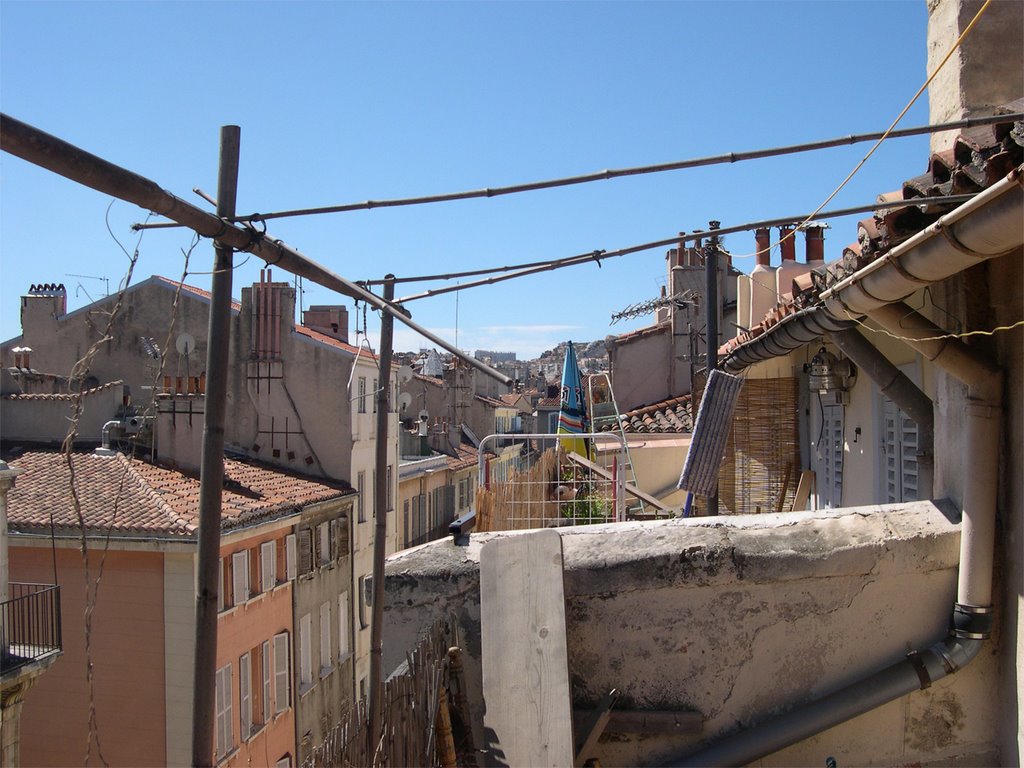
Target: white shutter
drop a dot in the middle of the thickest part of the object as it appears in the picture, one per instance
(325, 635)
(268, 565)
(282, 674)
(290, 562)
(245, 695)
(225, 738)
(306, 650)
(899, 448)
(266, 678)
(240, 576)
(343, 613)
(830, 493)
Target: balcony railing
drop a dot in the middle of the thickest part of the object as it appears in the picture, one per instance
(29, 625)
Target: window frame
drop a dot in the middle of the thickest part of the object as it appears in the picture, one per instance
(240, 572)
(224, 740)
(282, 673)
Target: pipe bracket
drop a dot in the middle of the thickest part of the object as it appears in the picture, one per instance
(954, 242)
(914, 657)
(971, 622)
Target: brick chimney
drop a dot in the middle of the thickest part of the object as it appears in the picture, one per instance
(329, 320)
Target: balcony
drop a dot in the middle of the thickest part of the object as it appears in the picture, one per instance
(29, 627)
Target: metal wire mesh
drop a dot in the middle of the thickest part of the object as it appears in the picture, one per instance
(533, 481)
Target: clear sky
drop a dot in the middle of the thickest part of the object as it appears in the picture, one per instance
(340, 102)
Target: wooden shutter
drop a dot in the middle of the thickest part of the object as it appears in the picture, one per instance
(305, 551)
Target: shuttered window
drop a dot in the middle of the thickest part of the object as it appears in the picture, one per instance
(282, 673)
(305, 546)
(830, 493)
(245, 695)
(268, 566)
(899, 451)
(240, 576)
(291, 565)
(225, 737)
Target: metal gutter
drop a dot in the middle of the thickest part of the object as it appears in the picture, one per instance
(990, 226)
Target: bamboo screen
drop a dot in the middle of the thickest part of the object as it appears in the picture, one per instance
(762, 457)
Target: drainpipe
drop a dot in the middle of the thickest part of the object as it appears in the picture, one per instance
(898, 387)
(971, 622)
(987, 227)
(981, 451)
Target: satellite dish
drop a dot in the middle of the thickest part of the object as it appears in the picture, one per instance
(404, 374)
(404, 401)
(185, 344)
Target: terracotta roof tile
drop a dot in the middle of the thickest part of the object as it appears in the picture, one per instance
(667, 416)
(64, 396)
(138, 498)
(185, 287)
(333, 342)
(650, 330)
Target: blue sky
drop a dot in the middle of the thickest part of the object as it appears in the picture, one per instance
(342, 102)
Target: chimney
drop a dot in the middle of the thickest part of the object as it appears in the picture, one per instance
(273, 305)
(787, 243)
(42, 305)
(329, 320)
(815, 240)
(764, 242)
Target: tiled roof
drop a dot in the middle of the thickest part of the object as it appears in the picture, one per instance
(549, 402)
(979, 158)
(186, 288)
(651, 330)
(428, 379)
(133, 497)
(467, 457)
(668, 416)
(492, 402)
(333, 342)
(64, 396)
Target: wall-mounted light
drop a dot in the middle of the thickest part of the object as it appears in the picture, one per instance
(826, 373)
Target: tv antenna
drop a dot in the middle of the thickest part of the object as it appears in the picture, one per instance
(80, 287)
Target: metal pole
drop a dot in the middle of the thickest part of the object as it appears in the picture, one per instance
(211, 477)
(381, 494)
(711, 309)
(49, 152)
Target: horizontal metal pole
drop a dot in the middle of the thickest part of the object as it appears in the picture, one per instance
(53, 154)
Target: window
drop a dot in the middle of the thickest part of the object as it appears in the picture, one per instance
(375, 387)
(225, 738)
(830, 456)
(343, 609)
(284, 762)
(324, 534)
(290, 562)
(360, 504)
(306, 650)
(325, 637)
(282, 674)
(245, 695)
(390, 495)
(220, 582)
(899, 454)
(362, 602)
(305, 547)
(265, 677)
(362, 394)
(240, 576)
(268, 566)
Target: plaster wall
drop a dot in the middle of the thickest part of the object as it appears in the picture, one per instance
(738, 618)
(127, 660)
(242, 629)
(48, 420)
(179, 601)
(657, 463)
(59, 341)
(639, 369)
(333, 691)
(974, 80)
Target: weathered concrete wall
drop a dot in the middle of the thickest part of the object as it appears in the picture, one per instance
(639, 367)
(739, 618)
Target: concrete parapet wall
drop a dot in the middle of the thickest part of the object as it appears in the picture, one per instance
(739, 618)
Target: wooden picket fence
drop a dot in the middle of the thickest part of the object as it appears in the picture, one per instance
(414, 697)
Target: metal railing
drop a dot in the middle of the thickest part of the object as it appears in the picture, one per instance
(29, 625)
(539, 480)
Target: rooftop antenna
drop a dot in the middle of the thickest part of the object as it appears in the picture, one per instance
(106, 284)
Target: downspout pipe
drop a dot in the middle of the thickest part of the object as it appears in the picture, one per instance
(946, 248)
(981, 441)
(898, 387)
